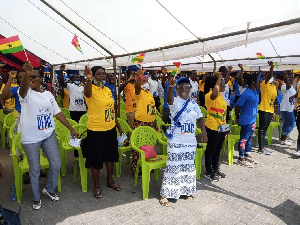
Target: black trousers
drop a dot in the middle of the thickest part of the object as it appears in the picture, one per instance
(298, 128)
(75, 115)
(213, 149)
(265, 119)
(166, 118)
(201, 98)
(157, 103)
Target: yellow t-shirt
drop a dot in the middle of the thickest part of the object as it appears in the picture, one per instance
(66, 102)
(268, 97)
(130, 101)
(298, 99)
(229, 83)
(201, 85)
(9, 103)
(145, 107)
(216, 111)
(101, 109)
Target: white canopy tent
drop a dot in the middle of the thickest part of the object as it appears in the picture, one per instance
(185, 31)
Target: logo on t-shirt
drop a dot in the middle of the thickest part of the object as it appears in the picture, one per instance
(150, 110)
(293, 102)
(79, 101)
(194, 95)
(44, 119)
(187, 127)
(272, 101)
(109, 114)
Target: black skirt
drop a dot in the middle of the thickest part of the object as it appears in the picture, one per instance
(102, 147)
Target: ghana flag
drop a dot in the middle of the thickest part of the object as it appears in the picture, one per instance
(11, 45)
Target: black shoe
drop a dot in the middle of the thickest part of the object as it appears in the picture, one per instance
(219, 174)
(211, 176)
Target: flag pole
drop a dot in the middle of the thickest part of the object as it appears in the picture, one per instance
(23, 49)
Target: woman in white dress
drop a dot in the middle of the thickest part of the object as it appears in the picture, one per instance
(180, 174)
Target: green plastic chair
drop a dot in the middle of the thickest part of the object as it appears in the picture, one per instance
(58, 100)
(66, 112)
(123, 115)
(21, 167)
(203, 111)
(127, 130)
(72, 122)
(63, 137)
(10, 136)
(161, 107)
(122, 106)
(198, 159)
(141, 136)
(272, 126)
(9, 120)
(2, 116)
(83, 119)
(80, 160)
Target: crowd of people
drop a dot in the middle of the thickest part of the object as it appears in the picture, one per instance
(247, 95)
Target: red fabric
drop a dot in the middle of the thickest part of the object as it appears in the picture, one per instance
(149, 151)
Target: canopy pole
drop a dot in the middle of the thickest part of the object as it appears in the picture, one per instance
(119, 93)
(215, 63)
(115, 92)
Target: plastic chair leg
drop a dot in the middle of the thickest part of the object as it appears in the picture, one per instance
(83, 176)
(230, 151)
(63, 164)
(3, 136)
(145, 182)
(198, 163)
(119, 165)
(279, 133)
(224, 146)
(76, 164)
(136, 174)
(127, 157)
(18, 185)
(270, 135)
(59, 183)
(156, 174)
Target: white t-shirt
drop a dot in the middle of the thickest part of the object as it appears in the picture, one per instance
(160, 89)
(194, 90)
(153, 87)
(76, 97)
(37, 122)
(285, 104)
(185, 133)
(225, 95)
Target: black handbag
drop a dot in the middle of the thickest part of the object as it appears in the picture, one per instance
(83, 144)
(8, 217)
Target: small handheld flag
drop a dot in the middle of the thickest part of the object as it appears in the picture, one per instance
(76, 44)
(11, 45)
(260, 56)
(139, 58)
(177, 65)
(275, 64)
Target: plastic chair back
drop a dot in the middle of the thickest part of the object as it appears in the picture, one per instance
(9, 120)
(2, 116)
(123, 115)
(66, 112)
(72, 122)
(83, 119)
(203, 111)
(143, 135)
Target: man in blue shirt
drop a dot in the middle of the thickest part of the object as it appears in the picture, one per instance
(166, 109)
(110, 83)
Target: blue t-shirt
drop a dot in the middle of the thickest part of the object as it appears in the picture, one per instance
(111, 87)
(14, 90)
(260, 80)
(166, 106)
(236, 87)
(249, 105)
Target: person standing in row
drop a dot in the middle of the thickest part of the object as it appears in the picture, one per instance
(153, 87)
(77, 106)
(145, 111)
(101, 128)
(246, 110)
(37, 128)
(215, 125)
(266, 108)
(195, 86)
(129, 89)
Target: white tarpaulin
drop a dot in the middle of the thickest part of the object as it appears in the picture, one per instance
(126, 28)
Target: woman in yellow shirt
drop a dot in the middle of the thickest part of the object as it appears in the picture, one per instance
(101, 128)
(145, 110)
(215, 125)
(266, 108)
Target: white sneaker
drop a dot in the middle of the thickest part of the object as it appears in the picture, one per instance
(53, 198)
(38, 206)
(297, 154)
(288, 143)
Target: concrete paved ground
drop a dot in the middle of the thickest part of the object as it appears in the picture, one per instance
(266, 194)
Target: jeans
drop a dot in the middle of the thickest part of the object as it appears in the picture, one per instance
(246, 139)
(213, 149)
(50, 148)
(264, 122)
(289, 122)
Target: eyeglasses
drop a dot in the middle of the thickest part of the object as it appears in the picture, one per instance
(184, 87)
(33, 77)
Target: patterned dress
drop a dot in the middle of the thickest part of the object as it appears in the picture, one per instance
(180, 174)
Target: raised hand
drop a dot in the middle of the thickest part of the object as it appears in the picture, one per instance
(2, 64)
(172, 81)
(163, 70)
(140, 72)
(63, 67)
(132, 76)
(230, 68)
(88, 72)
(27, 67)
(12, 74)
(218, 75)
(241, 66)
(271, 63)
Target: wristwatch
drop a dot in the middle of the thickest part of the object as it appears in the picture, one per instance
(204, 133)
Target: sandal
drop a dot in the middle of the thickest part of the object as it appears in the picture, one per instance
(114, 186)
(163, 201)
(97, 193)
(188, 197)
